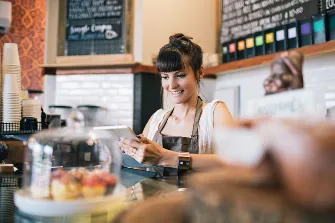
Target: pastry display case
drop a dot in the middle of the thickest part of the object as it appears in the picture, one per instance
(69, 170)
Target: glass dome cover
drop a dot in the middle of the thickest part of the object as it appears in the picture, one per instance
(71, 163)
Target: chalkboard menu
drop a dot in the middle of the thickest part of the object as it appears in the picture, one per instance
(327, 5)
(243, 17)
(95, 27)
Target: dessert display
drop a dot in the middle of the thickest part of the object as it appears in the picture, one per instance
(80, 183)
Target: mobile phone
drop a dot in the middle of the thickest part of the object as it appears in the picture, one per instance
(119, 131)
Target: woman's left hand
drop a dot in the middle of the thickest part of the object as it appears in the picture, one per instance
(143, 151)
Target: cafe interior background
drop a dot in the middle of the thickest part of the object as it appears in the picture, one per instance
(126, 83)
(35, 28)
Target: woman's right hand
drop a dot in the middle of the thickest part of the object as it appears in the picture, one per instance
(146, 151)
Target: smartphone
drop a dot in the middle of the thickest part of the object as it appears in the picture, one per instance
(119, 131)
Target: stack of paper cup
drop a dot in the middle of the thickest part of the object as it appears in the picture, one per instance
(11, 61)
(11, 108)
(10, 76)
(31, 108)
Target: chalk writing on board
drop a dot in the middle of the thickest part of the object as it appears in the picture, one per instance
(243, 17)
(87, 9)
(93, 32)
(95, 27)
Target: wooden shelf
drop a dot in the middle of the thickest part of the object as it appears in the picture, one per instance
(322, 48)
(111, 68)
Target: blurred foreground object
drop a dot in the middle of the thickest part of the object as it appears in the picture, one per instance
(300, 153)
(171, 208)
(244, 196)
(286, 73)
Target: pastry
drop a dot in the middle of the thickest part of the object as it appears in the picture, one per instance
(95, 184)
(64, 186)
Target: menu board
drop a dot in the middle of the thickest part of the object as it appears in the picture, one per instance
(95, 27)
(243, 17)
(327, 5)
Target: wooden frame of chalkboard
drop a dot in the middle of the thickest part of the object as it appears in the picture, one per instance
(89, 36)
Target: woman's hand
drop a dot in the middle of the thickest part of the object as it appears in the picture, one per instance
(146, 151)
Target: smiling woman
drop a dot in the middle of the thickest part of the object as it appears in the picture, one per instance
(182, 137)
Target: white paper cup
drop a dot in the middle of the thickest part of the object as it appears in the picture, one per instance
(30, 102)
(10, 84)
(11, 54)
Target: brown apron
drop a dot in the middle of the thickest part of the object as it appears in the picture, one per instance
(178, 143)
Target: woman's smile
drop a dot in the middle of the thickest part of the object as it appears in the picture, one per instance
(177, 93)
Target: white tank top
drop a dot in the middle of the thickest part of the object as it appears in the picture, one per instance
(205, 129)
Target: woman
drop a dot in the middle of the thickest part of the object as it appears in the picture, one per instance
(189, 125)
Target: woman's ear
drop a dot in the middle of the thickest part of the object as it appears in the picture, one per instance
(201, 73)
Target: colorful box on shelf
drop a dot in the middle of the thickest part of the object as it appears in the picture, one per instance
(270, 44)
(250, 46)
(318, 29)
(240, 49)
(320, 34)
(280, 37)
(232, 51)
(305, 32)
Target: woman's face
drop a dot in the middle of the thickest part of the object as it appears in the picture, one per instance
(180, 85)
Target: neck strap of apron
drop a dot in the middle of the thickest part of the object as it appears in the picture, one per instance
(196, 118)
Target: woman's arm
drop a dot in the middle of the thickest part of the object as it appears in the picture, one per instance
(147, 128)
(149, 152)
(200, 162)
(152, 153)
(222, 116)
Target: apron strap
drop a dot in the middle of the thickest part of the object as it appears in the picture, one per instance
(195, 123)
(161, 126)
(197, 118)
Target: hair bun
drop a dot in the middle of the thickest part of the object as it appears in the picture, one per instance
(179, 36)
(181, 41)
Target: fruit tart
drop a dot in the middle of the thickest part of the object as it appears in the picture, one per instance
(96, 183)
(64, 186)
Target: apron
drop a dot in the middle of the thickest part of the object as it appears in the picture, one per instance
(178, 143)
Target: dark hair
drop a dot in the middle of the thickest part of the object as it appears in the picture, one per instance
(179, 53)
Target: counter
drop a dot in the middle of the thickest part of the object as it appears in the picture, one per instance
(137, 188)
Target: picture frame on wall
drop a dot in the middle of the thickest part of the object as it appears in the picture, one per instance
(230, 95)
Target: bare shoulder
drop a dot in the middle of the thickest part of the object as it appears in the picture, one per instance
(156, 115)
(222, 115)
(204, 105)
(147, 128)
